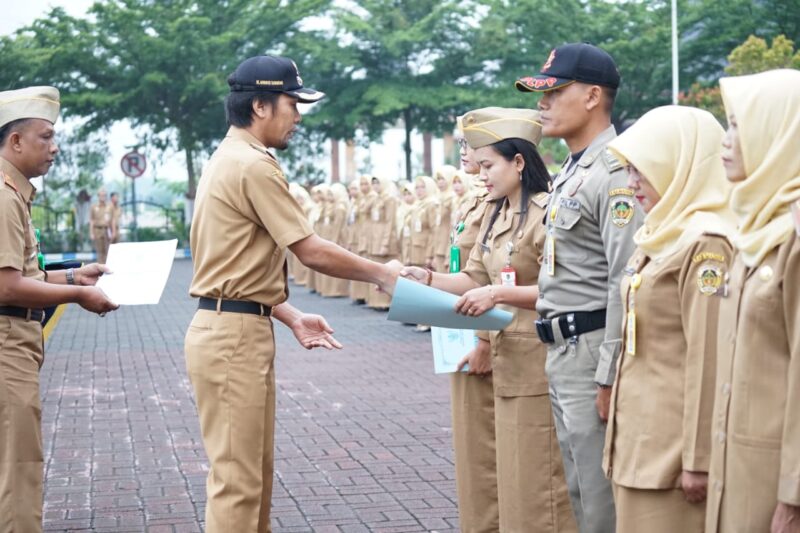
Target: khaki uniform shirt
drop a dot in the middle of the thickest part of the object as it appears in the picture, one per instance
(365, 230)
(244, 220)
(405, 236)
(383, 217)
(471, 213)
(442, 225)
(664, 393)
(518, 356)
(18, 246)
(595, 219)
(423, 225)
(755, 454)
(101, 214)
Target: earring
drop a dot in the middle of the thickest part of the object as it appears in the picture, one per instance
(520, 175)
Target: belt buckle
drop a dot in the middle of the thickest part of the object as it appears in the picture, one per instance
(544, 329)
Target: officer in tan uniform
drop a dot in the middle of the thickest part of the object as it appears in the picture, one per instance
(754, 481)
(658, 441)
(338, 205)
(502, 271)
(591, 220)
(100, 225)
(116, 216)
(423, 227)
(27, 149)
(472, 393)
(363, 232)
(384, 243)
(441, 235)
(245, 219)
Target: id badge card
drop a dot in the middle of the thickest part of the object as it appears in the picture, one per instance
(508, 277)
(376, 215)
(550, 254)
(418, 226)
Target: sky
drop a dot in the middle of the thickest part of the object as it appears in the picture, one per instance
(387, 156)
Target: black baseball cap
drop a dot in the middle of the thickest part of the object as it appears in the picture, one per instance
(272, 73)
(582, 62)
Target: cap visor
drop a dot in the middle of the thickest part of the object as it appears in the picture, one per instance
(307, 95)
(540, 83)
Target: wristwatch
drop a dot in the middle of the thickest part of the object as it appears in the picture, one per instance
(70, 276)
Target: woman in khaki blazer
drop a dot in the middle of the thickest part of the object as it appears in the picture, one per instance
(409, 199)
(754, 481)
(358, 291)
(336, 232)
(444, 182)
(472, 395)
(359, 288)
(502, 271)
(384, 244)
(423, 227)
(658, 440)
(320, 218)
(298, 270)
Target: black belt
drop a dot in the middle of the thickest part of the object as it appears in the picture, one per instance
(571, 324)
(234, 306)
(37, 315)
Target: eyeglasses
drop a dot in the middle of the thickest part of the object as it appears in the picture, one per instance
(462, 143)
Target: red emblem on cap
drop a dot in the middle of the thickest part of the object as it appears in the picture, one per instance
(550, 81)
(527, 81)
(549, 62)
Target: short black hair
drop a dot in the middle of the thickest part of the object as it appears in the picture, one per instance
(610, 97)
(113, 194)
(239, 106)
(14, 125)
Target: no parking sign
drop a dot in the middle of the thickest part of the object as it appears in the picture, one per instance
(133, 164)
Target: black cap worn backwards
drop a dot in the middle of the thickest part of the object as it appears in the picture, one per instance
(272, 73)
(581, 62)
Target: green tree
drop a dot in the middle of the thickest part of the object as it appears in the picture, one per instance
(162, 65)
(399, 62)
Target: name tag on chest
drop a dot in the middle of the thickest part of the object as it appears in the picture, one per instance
(570, 203)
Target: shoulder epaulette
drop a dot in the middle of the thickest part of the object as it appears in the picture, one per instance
(612, 162)
(541, 199)
(8, 181)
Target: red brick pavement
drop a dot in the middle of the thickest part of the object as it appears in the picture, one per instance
(362, 437)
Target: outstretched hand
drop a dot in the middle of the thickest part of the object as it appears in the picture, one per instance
(418, 274)
(313, 331)
(392, 271)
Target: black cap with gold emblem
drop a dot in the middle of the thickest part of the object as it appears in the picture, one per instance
(581, 62)
(272, 73)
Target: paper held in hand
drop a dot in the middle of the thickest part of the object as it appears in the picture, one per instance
(416, 303)
(139, 271)
(450, 346)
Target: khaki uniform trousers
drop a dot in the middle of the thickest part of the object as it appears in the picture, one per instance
(229, 357)
(101, 243)
(472, 399)
(570, 371)
(657, 511)
(21, 455)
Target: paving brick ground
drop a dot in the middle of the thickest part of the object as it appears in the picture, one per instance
(362, 437)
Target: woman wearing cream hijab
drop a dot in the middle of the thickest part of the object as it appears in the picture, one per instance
(358, 290)
(384, 244)
(297, 269)
(409, 199)
(444, 182)
(336, 231)
(320, 217)
(754, 481)
(423, 227)
(657, 442)
(365, 202)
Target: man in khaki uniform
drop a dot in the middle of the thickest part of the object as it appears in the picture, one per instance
(245, 219)
(100, 225)
(27, 149)
(591, 220)
(116, 216)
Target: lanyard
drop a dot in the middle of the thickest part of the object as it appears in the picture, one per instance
(455, 253)
(630, 340)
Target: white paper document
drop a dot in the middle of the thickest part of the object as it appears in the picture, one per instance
(139, 271)
(449, 348)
